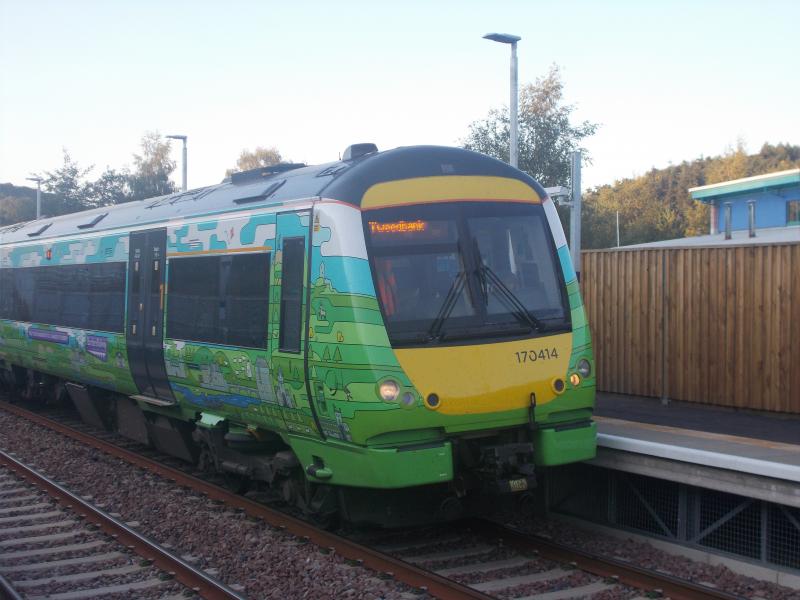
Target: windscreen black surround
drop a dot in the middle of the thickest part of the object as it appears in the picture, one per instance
(453, 272)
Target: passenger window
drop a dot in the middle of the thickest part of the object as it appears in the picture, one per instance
(219, 299)
(292, 294)
(90, 296)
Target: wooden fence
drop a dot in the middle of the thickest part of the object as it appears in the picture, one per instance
(718, 325)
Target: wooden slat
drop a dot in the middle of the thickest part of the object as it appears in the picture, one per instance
(730, 327)
(793, 300)
(743, 328)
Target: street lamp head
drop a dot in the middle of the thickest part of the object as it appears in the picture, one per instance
(503, 38)
(36, 179)
(177, 137)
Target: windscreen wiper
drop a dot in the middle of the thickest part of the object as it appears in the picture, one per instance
(448, 305)
(507, 297)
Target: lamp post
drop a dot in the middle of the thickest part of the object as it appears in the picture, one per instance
(38, 181)
(183, 139)
(506, 38)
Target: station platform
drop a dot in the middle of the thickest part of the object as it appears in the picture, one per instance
(759, 425)
(748, 453)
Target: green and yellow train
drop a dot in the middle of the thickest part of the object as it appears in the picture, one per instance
(393, 336)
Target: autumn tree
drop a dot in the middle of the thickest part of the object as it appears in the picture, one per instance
(260, 157)
(734, 164)
(152, 169)
(546, 136)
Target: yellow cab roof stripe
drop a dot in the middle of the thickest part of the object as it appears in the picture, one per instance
(423, 190)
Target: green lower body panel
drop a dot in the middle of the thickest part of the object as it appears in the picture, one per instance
(384, 468)
(558, 446)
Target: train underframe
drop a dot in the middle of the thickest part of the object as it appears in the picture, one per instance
(487, 467)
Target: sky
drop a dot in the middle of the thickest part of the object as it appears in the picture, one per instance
(667, 81)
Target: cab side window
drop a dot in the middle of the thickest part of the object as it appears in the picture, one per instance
(292, 294)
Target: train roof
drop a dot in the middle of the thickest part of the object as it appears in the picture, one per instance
(282, 185)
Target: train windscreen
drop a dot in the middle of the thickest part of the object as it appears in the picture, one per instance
(469, 270)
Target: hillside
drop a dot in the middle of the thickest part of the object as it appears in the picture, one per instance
(18, 203)
(657, 205)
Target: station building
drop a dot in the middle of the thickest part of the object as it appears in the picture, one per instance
(773, 200)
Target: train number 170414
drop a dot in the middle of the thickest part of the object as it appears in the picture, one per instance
(530, 356)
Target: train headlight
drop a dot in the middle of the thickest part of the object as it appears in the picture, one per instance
(575, 379)
(389, 390)
(584, 368)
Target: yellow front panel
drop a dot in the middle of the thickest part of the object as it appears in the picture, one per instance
(423, 190)
(486, 378)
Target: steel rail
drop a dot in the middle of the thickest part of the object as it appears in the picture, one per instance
(7, 592)
(188, 575)
(410, 574)
(671, 586)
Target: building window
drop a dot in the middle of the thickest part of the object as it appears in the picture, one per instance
(219, 299)
(793, 212)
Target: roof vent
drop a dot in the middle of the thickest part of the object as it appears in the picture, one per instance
(358, 150)
(263, 172)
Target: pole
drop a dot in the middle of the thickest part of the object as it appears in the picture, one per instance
(38, 199)
(38, 181)
(182, 138)
(575, 214)
(617, 229)
(184, 164)
(513, 106)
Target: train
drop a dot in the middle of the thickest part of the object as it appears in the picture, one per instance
(389, 338)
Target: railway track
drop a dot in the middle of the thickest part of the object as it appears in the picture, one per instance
(56, 545)
(479, 559)
(507, 563)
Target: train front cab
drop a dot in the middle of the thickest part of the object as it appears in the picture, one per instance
(484, 314)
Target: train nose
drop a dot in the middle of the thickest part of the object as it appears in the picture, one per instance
(488, 378)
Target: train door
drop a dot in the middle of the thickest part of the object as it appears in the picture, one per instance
(289, 358)
(145, 315)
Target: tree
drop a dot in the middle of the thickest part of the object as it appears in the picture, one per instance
(68, 186)
(110, 188)
(71, 191)
(546, 135)
(260, 157)
(152, 169)
(734, 164)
